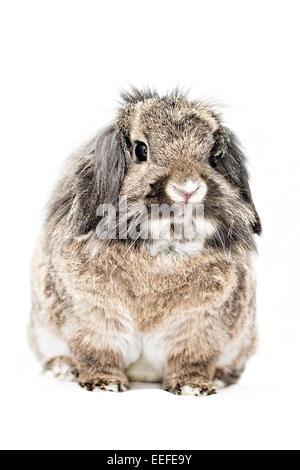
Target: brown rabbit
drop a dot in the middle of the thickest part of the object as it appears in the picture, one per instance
(141, 305)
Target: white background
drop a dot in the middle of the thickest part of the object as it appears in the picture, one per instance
(63, 64)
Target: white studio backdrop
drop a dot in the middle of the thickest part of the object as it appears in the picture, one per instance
(63, 64)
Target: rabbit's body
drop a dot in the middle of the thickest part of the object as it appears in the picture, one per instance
(179, 312)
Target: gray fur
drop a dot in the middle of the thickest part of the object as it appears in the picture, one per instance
(96, 181)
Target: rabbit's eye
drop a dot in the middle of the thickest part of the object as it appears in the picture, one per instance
(141, 151)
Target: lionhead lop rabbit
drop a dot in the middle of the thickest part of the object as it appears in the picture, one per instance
(123, 293)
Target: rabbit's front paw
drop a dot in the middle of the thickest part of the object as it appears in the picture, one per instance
(102, 385)
(200, 390)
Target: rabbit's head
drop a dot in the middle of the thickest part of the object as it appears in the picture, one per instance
(171, 152)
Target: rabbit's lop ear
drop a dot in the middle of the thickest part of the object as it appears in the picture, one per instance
(228, 158)
(97, 181)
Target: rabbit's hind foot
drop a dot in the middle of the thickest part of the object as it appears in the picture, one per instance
(61, 368)
(225, 377)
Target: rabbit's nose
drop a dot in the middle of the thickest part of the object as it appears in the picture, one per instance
(186, 194)
(190, 191)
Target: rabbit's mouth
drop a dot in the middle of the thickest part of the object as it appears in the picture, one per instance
(180, 217)
(183, 223)
(186, 213)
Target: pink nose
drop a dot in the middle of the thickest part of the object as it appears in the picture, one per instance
(186, 194)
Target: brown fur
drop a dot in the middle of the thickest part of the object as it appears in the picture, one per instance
(92, 294)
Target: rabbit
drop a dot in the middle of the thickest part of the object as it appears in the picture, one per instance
(177, 311)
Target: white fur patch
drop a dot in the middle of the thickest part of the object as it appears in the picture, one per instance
(185, 248)
(49, 344)
(62, 371)
(196, 189)
(129, 342)
(151, 363)
(191, 244)
(154, 351)
(219, 384)
(204, 227)
(142, 371)
(159, 229)
(198, 195)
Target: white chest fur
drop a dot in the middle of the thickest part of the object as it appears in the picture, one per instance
(150, 365)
